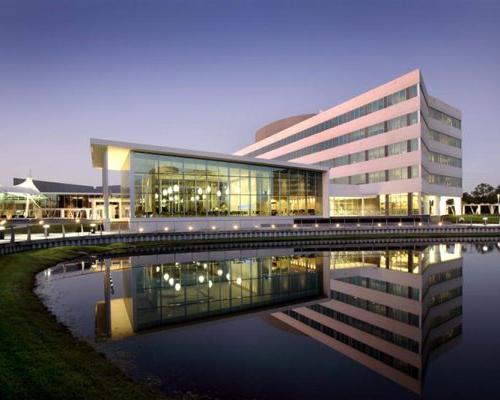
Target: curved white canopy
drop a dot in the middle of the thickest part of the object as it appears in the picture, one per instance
(24, 189)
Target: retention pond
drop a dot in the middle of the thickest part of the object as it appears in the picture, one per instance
(395, 321)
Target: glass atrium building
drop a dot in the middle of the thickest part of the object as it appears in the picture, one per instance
(185, 190)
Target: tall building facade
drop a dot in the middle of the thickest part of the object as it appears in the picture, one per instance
(394, 150)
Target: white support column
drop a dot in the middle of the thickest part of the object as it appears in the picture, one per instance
(105, 190)
(326, 194)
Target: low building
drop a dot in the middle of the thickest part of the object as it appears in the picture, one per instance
(28, 198)
(394, 150)
(188, 190)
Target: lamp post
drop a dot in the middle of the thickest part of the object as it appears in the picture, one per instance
(46, 230)
(79, 221)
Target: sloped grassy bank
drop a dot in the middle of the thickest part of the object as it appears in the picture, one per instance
(39, 358)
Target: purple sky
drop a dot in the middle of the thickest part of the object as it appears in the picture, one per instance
(206, 74)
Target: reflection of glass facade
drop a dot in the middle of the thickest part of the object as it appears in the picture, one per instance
(173, 292)
(169, 186)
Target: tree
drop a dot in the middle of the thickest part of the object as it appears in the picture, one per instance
(482, 193)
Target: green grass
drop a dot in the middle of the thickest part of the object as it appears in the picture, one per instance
(39, 358)
(475, 219)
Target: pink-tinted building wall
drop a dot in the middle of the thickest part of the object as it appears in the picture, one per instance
(438, 181)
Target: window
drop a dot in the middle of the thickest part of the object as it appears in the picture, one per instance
(167, 186)
(358, 179)
(445, 139)
(378, 176)
(377, 152)
(445, 118)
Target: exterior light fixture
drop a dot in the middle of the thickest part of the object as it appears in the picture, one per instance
(166, 277)
(440, 223)
(77, 220)
(273, 226)
(337, 225)
(238, 280)
(485, 248)
(379, 224)
(214, 227)
(358, 225)
(165, 229)
(177, 286)
(46, 226)
(156, 196)
(219, 272)
(176, 188)
(205, 265)
(157, 268)
(200, 191)
(295, 225)
(141, 229)
(219, 193)
(400, 224)
(190, 228)
(41, 222)
(201, 279)
(420, 224)
(164, 192)
(228, 276)
(316, 225)
(197, 197)
(235, 226)
(171, 281)
(210, 283)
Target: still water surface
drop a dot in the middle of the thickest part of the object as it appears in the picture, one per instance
(392, 322)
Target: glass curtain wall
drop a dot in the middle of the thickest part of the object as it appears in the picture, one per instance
(169, 186)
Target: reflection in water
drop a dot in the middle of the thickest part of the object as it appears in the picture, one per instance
(389, 310)
(170, 288)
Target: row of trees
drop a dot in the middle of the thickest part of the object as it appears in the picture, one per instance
(482, 193)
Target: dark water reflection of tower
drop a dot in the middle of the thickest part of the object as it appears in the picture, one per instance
(390, 310)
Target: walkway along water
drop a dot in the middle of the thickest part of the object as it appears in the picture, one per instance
(360, 235)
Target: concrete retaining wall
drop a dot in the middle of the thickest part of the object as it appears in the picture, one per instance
(360, 235)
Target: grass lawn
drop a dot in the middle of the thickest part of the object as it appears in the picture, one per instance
(474, 219)
(39, 359)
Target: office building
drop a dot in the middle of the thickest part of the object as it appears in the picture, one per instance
(394, 150)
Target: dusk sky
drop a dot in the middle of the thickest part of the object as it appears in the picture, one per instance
(206, 75)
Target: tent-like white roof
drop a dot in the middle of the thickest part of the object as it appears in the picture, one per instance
(26, 188)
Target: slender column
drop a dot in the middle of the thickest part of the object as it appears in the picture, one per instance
(105, 189)
(325, 201)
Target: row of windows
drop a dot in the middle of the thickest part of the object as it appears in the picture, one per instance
(443, 159)
(383, 286)
(444, 138)
(394, 174)
(359, 112)
(373, 130)
(385, 358)
(389, 312)
(371, 329)
(443, 180)
(445, 118)
(372, 154)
